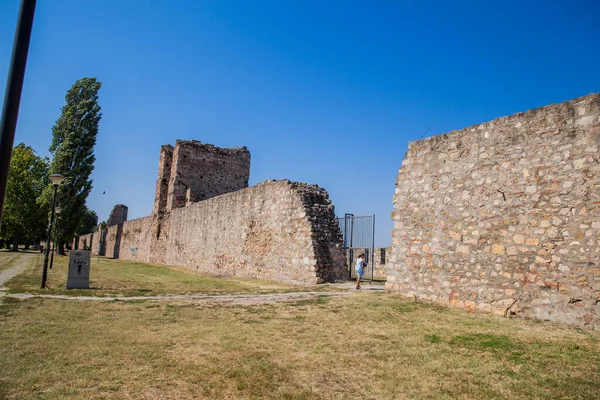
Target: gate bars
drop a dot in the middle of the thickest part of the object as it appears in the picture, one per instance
(358, 233)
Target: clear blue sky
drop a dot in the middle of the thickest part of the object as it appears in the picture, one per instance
(326, 92)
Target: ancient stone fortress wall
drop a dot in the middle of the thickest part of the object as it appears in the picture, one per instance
(83, 242)
(199, 172)
(136, 237)
(276, 230)
(505, 216)
(117, 215)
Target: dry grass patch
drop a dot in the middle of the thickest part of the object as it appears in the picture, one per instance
(7, 259)
(370, 345)
(110, 277)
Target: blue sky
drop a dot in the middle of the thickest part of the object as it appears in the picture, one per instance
(326, 92)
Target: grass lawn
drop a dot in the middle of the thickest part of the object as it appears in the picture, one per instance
(7, 258)
(368, 345)
(114, 277)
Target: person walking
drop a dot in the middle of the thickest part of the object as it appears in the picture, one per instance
(360, 268)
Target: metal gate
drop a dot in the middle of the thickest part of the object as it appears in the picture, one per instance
(359, 237)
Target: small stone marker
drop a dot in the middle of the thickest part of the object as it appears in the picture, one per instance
(79, 270)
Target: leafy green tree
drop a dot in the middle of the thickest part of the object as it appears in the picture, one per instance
(88, 223)
(25, 214)
(74, 137)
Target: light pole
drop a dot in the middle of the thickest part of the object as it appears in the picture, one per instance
(57, 212)
(56, 181)
(14, 86)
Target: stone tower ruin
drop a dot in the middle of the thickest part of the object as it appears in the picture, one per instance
(194, 171)
(206, 218)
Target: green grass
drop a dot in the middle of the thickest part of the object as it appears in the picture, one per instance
(346, 347)
(369, 345)
(110, 277)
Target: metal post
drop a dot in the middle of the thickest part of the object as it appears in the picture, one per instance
(373, 251)
(347, 249)
(12, 97)
(351, 249)
(54, 241)
(45, 268)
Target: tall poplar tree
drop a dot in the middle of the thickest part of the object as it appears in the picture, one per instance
(74, 137)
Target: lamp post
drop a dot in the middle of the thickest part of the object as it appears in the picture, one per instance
(57, 212)
(56, 181)
(14, 86)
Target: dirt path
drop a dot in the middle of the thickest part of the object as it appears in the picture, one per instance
(24, 259)
(229, 299)
(20, 265)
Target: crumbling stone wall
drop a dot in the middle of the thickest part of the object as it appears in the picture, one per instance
(98, 242)
(117, 215)
(505, 216)
(199, 172)
(113, 237)
(83, 242)
(164, 176)
(135, 240)
(276, 230)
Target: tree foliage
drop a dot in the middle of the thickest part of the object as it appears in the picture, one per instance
(74, 137)
(88, 223)
(25, 213)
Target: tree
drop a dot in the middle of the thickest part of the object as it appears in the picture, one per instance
(25, 214)
(74, 137)
(88, 223)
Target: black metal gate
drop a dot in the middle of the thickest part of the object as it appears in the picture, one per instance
(359, 237)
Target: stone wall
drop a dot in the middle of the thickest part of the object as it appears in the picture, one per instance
(98, 242)
(164, 176)
(84, 242)
(201, 171)
(114, 235)
(505, 216)
(117, 215)
(276, 230)
(135, 239)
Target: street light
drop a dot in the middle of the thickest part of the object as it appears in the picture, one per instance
(56, 181)
(57, 212)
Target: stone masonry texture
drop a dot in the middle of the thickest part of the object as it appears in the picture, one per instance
(276, 230)
(504, 216)
(201, 171)
(117, 215)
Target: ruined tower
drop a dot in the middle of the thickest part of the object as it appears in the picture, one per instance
(194, 171)
(164, 174)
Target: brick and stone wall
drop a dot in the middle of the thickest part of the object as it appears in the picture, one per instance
(98, 242)
(135, 239)
(117, 215)
(276, 230)
(505, 216)
(164, 176)
(199, 172)
(83, 242)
